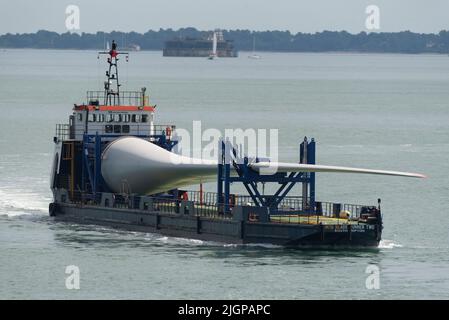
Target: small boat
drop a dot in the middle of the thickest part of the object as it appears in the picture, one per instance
(254, 55)
(213, 54)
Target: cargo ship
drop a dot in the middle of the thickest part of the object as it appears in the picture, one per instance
(113, 165)
(191, 47)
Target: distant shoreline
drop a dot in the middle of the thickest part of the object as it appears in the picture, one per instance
(243, 53)
(404, 42)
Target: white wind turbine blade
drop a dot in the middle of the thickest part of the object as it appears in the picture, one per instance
(148, 169)
(297, 167)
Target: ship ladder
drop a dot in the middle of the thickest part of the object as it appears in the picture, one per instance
(68, 155)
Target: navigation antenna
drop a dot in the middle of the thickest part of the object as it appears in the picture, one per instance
(112, 85)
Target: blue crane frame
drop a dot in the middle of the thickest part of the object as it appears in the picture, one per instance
(91, 173)
(229, 157)
(92, 149)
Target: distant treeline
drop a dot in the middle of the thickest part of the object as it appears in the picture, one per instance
(283, 41)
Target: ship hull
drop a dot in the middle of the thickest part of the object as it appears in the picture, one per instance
(221, 230)
(192, 53)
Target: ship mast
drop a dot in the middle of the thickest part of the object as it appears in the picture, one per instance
(112, 84)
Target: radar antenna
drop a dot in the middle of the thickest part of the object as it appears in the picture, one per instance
(112, 84)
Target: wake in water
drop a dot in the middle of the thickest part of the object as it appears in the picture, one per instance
(389, 244)
(176, 240)
(23, 202)
(194, 242)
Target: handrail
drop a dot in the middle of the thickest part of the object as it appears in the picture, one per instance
(127, 98)
(289, 204)
(63, 131)
(210, 208)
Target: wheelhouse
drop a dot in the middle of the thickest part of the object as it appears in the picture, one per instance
(112, 121)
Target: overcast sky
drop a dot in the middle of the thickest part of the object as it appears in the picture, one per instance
(18, 16)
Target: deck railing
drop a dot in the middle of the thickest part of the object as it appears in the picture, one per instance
(205, 205)
(290, 204)
(63, 131)
(127, 98)
(166, 205)
(164, 130)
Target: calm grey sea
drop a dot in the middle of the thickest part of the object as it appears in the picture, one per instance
(376, 111)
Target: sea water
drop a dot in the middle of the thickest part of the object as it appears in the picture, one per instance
(376, 111)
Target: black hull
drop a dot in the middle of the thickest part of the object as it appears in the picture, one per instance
(222, 230)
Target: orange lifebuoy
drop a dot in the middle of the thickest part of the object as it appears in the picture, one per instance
(168, 131)
(231, 200)
(253, 217)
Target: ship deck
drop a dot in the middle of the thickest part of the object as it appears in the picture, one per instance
(291, 211)
(313, 219)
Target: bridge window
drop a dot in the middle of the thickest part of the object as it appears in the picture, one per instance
(110, 118)
(92, 117)
(100, 118)
(118, 118)
(135, 118)
(144, 118)
(80, 117)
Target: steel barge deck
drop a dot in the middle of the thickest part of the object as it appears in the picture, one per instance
(246, 224)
